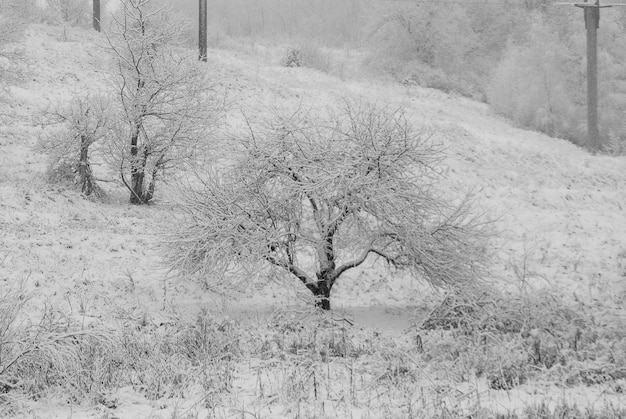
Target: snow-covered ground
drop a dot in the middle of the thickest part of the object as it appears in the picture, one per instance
(561, 211)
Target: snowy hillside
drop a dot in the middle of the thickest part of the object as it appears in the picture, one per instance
(561, 215)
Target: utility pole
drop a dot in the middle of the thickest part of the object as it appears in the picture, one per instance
(96, 15)
(202, 30)
(592, 24)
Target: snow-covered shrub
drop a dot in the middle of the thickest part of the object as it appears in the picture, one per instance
(293, 58)
(308, 55)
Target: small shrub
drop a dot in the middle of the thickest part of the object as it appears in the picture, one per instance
(293, 58)
(209, 339)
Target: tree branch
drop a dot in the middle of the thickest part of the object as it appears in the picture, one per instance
(314, 205)
(294, 270)
(357, 262)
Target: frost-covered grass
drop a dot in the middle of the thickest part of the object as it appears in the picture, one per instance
(114, 335)
(301, 362)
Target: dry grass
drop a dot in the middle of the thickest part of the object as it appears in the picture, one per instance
(54, 356)
(310, 363)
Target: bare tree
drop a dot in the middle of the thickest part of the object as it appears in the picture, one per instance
(315, 199)
(167, 103)
(81, 123)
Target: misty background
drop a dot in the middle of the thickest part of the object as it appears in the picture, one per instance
(526, 58)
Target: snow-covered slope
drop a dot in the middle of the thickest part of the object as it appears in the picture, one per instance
(562, 211)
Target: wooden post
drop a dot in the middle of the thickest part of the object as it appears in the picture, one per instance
(96, 15)
(202, 30)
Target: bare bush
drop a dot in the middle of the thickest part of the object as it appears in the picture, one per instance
(80, 124)
(510, 338)
(39, 351)
(315, 198)
(293, 58)
(167, 104)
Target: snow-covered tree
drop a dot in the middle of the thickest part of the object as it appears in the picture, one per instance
(167, 102)
(316, 198)
(80, 124)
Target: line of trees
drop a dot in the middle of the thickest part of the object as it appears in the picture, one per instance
(159, 114)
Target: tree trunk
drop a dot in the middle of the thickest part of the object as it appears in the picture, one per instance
(136, 184)
(322, 297)
(84, 169)
(321, 290)
(137, 171)
(152, 186)
(136, 178)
